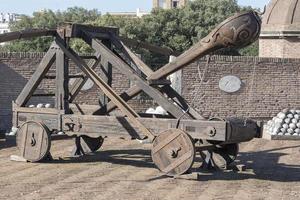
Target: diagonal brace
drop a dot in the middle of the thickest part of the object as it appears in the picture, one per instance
(121, 104)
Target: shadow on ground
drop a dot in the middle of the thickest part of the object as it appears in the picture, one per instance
(263, 165)
(7, 143)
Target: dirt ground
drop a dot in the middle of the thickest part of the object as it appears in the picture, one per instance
(123, 170)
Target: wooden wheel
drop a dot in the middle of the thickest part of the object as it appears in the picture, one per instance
(90, 144)
(85, 145)
(173, 152)
(33, 141)
(222, 155)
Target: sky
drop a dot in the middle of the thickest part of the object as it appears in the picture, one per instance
(29, 6)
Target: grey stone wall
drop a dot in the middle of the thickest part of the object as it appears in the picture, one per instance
(279, 47)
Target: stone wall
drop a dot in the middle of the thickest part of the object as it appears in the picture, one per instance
(279, 47)
(269, 85)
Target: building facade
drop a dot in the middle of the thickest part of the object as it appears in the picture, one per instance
(169, 4)
(280, 36)
(5, 19)
(138, 13)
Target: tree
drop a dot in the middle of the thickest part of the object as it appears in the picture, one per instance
(177, 29)
(47, 19)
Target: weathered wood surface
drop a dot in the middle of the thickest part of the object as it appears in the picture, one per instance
(148, 46)
(122, 105)
(173, 152)
(111, 125)
(267, 136)
(26, 34)
(37, 77)
(133, 91)
(247, 24)
(79, 83)
(33, 140)
(125, 69)
(62, 82)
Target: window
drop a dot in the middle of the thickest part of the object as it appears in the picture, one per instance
(174, 4)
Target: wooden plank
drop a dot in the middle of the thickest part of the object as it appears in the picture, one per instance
(267, 136)
(126, 96)
(62, 82)
(106, 75)
(79, 83)
(37, 77)
(148, 46)
(125, 69)
(148, 71)
(181, 101)
(122, 105)
(195, 52)
(51, 120)
(76, 30)
(131, 55)
(26, 34)
(116, 125)
(35, 110)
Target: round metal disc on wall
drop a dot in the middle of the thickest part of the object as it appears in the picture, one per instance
(33, 141)
(230, 84)
(173, 152)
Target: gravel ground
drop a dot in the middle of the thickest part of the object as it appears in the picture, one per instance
(124, 170)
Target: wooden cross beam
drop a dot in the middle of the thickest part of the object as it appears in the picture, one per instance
(133, 91)
(37, 77)
(79, 83)
(125, 69)
(122, 105)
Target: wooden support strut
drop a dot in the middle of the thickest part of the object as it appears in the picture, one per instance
(122, 105)
(79, 83)
(138, 88)
(131, 74)
(37, 77)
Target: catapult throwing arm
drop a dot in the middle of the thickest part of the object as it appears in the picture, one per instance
(237, 31)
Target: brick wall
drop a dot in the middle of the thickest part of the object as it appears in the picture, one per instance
(17, 68)
(269, 85)
(275, 86)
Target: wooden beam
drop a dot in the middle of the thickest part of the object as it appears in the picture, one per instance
(195, 52)
(62, 82)
(131, 55)
(112, 125)
(148, 46)
(122, 105)
(125, 69)
(106, 75)
(26, 34)
(37, 77)
(79, 83)
(148, 72)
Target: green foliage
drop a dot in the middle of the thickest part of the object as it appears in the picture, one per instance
(47, 19)
(177, 29)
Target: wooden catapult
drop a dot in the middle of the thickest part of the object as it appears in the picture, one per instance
(175, 138)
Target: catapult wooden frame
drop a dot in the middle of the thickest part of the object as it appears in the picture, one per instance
(111, 50)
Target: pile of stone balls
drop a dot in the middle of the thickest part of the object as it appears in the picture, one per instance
(286, 122)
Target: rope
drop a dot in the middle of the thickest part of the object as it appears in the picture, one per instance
(201, 76)
(250, 93)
